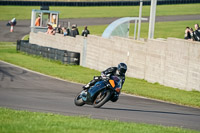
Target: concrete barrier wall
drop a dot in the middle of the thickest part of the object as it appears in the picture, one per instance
(172, 62)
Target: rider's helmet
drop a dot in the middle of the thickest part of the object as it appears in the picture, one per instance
(122, 67)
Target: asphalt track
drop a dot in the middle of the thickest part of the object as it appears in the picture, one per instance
(23, 26)
(25, 90)
(22, 89)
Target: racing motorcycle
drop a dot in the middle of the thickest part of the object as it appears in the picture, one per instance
(103, 91)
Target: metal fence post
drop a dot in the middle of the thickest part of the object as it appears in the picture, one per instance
(139, 23)
(84, 52)
(135, 29)
(152, 19)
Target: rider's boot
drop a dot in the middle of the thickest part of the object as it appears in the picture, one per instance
(91, 83)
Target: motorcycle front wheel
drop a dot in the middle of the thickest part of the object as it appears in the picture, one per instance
(101, 98)
(78, 100)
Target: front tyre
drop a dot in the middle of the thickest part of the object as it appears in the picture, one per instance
(101, 98)
(78, 100)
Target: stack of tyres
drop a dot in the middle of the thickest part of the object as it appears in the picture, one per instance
(48, 52)
(45, 52)
(38, 50)
(56, 54)
(41, 51)
(28, 48)
(61, 54)
(52, 54)
(18, 45)
(33, 49)
(72, 58)
(23, 46)
(66, 57)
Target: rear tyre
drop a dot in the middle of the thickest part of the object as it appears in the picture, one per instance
(78, 100)
(101, 98)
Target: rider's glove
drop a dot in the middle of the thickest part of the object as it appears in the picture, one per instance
(104, 77)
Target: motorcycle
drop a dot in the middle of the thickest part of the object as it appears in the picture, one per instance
(103, 91)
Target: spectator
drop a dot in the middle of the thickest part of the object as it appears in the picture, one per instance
(196, 33)
(85, 32)
(64, 31)
(12, 22)
(37, 21)
(59, 29)
(77, 29)
(187, 34)
(50, 29)
(74, 31)
(68, 31)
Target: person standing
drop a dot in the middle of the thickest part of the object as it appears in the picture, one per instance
(74, 31)
(85, 32)
(188, 34)
(37, 21)
(196, 33)
(12, 22)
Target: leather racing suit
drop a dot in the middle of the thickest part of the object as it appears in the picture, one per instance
(111, 71)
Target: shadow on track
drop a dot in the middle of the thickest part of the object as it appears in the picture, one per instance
(149, 111)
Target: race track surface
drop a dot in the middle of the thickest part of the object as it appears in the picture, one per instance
(23, 26)
(25, 90)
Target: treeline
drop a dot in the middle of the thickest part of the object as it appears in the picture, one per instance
(94, 3)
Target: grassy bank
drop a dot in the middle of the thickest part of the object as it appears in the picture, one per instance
(12, 121)
(162, 29)
(84, 75)
(24, 12)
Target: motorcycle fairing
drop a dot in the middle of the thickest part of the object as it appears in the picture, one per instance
(93, 91)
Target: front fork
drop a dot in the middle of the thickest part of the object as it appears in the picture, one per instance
(84, 95)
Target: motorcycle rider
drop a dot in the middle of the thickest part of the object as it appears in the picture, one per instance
(111, 71)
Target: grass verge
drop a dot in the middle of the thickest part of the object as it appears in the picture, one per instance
(84, 75)
(12, 121)
(24, 12)
(162, 29)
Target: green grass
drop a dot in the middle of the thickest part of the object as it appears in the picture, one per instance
(24, 12)
(26, 37)
(164, 93)
(162, 29)
(84, 75)
(12, 121)
(46, 66)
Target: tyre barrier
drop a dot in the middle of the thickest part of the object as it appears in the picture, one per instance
(66, 57)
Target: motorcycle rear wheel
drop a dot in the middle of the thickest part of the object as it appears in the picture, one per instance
(78, 100)
(101, 99)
